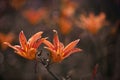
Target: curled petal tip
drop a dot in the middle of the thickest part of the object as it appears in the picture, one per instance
(46, 38)
(55, 31)
(41, 32)
(21, 31)
(78, 40)
(45, 47)
(5, 43)
(80, 50)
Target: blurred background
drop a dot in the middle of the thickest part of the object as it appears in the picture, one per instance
(95, 22)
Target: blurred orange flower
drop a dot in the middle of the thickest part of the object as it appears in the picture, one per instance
(57, 49)
(65, 22)
(27, 49)
(6, 38)
(65, 25)
(35, 16)
(92, 23)
(68, 8)
(17, 4)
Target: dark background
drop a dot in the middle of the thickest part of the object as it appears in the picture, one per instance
(102, 48)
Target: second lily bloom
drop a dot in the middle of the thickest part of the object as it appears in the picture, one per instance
(57, 50)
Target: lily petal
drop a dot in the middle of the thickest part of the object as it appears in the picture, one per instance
(61, 48)
(28, 55)
(6, 43)
(31, 53)
(56, 41)
(48, 43)
(17, 48)
(71, 45)
(37, 43)
(51, 50)
(23, 41)
(71, 51)
(34, 38)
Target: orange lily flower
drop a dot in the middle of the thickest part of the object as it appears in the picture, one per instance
(92, 23)
(17, 4)
(27, 49)
(65, 26)
(35, 16)
(6, 38)
(57, 49)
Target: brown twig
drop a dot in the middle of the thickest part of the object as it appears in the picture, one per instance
(46, 63)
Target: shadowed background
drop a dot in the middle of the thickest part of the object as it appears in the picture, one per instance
(95, 22)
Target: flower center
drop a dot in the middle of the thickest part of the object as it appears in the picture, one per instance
(32, 53)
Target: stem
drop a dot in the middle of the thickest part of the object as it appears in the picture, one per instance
(35, 67)
(51, 73)
(45, 63)
(36, 75)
